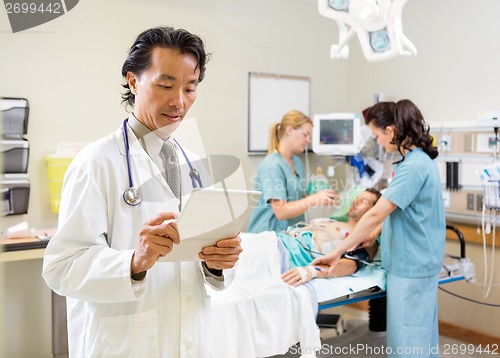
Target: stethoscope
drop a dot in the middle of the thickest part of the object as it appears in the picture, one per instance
(132, 195)
(296, 230)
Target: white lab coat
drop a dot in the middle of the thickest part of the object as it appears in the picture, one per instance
(88, 260)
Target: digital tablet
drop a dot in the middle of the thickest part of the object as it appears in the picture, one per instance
(209, 216)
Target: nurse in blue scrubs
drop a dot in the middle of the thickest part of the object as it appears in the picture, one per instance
(413, 232)
(281, 177)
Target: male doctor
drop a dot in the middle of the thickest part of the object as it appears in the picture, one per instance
(121, 302)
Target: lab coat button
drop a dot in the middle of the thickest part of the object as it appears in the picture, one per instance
(189, 346)
(187, 297)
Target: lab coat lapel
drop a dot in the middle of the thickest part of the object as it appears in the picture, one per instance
(146, 175)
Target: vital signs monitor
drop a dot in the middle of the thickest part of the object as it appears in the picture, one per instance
(337, 134)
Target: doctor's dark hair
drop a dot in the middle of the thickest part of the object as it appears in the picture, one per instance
(409, 125)
(294, 119)
(139, 55)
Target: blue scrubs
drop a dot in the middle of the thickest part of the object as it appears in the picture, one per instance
(413, 241)
(276, 180)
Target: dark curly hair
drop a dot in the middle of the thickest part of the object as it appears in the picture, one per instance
(409, 125)
(139, 55)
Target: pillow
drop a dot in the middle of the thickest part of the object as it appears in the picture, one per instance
(346, 199)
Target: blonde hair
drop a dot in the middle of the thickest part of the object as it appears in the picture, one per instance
(294, 119)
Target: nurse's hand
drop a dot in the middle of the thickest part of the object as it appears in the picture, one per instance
(222, 255)
(325, 197)
(155, 239)
(331, 259)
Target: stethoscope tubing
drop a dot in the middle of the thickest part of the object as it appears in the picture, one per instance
(127, 154)
(132, 196)
(193, 173)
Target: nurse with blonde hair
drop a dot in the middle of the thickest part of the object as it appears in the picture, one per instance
(281, 177)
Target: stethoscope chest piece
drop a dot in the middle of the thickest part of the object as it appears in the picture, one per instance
(132, 196)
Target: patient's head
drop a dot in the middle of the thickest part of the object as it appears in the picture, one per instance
(363, 202)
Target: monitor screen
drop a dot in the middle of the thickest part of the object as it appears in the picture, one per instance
(336, 134)
(340, 131)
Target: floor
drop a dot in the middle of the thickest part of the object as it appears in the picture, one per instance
(352, 338)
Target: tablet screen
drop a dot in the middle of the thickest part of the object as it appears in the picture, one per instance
(209, 216)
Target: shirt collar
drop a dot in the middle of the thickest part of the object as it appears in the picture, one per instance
(151, 142)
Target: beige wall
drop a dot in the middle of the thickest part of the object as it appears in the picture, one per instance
(454, 75)
(69, 69)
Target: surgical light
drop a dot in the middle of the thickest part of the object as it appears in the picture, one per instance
(377, 23)
(379, 41)
(340, 5)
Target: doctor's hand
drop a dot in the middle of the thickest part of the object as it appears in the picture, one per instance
(222, 255)
(155, 239)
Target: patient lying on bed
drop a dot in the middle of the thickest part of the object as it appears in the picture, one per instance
(301, 245)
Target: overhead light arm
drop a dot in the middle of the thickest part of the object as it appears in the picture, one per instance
(376, 22)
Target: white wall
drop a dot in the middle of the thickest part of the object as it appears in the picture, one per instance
(69, 69)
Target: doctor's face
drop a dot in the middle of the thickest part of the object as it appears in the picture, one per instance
(165, 91)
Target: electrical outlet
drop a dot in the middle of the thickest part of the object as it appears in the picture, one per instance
(445, 143)
(479, 202)
(470, 202)
(446, 199)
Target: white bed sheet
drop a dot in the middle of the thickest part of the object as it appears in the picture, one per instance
(367, 277)
(259, 315)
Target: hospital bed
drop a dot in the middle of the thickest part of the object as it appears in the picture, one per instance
(259, 315)
(456, 270)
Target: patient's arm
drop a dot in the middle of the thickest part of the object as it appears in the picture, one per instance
(299, 275)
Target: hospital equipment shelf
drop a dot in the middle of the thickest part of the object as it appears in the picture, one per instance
(24, 248)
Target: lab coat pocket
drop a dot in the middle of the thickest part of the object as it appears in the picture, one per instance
(133, 335)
